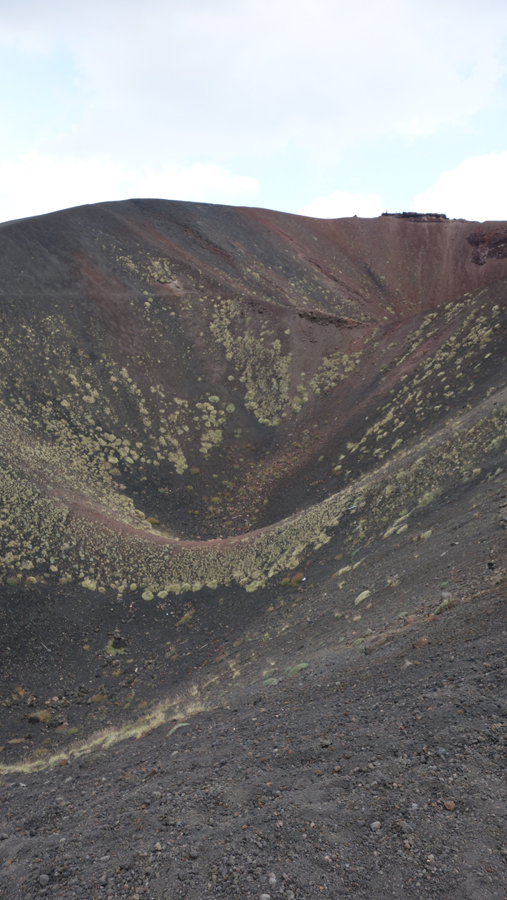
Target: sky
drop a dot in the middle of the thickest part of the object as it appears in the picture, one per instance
(319, 107)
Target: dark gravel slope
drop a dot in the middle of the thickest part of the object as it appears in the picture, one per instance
(377, 775)
(253, 510)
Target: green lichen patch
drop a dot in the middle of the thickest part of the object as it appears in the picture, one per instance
(295, 669)
(112, 650)
(186, 619)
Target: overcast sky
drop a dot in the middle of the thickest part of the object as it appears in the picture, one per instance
(323, 107)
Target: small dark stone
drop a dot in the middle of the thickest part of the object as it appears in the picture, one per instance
(119, 642)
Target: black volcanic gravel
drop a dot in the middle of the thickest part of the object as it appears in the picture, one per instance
(381, 778)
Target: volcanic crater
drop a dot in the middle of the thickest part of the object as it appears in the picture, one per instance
(235, 443)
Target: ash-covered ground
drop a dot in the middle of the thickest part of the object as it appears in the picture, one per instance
(252, 555)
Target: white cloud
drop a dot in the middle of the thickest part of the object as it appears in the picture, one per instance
(240, 76)
(153, 90)
(476, 190)
(35, 184)
(340, 204)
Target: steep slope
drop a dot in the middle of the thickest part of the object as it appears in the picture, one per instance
(174, 375)
(253, 500)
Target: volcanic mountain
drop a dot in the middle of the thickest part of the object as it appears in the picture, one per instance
(222, 427)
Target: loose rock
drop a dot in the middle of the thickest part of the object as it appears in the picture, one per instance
(420, 642)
